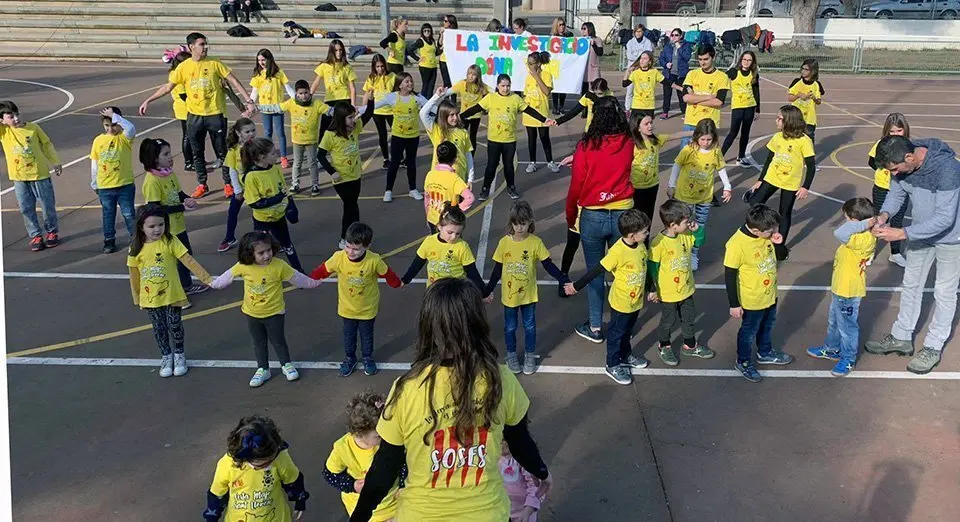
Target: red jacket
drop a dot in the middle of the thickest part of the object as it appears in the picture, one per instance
(600, 176)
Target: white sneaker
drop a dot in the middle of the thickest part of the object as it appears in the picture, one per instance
(898, 260)
(295, 187)
(166, 366)
(179, 364)
(216, 164)
(186, 305)
(415, 194)
(290, 372)
(818, 168)
(553, 166)
(388, 196)
(261, 376)
(531, 167)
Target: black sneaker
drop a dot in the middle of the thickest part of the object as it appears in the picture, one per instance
(315, 190)
(513, 193)
(109, 246)
(747, 196)
(484, 194)
(715, 201)
(584, 330)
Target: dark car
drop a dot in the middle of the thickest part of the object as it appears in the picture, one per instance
(646, 7)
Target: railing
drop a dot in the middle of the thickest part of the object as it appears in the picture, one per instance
(865, 9)
(865, 54)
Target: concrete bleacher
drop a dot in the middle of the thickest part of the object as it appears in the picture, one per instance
(117, 30)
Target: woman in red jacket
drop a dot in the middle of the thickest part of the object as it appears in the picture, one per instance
(600, 191)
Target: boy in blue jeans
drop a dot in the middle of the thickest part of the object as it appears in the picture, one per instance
(751, 280)
(849, 286)
(111, 175)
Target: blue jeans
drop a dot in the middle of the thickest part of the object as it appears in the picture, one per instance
(618, 336)
(274, 123)
(598, 230)
(233, 214)
(528, 313)
(109, 199)
(843, 330)
(28, 194)
(351, 327)
(756, 324)
(686, 128)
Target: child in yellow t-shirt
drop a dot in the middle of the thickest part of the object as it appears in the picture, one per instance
(152, 261)
(269, 83)
(627, 262)
(426, 46)
(645, 169)
(352, 456)
(470, 91)
(849, 286)
(445, 253)
(380, 83)
(895, 125)
(263, 275)
(442, 185)
(806, 92)
(405, 132)
(111, 174)
(516, 260)
(305, 114)
(536, 92)
(670, 273)
(256, 479)
(338, 79)
(751, 281)
(641, 80)
(358, 293)
(264, 193)
(242, 132)
(441, 119)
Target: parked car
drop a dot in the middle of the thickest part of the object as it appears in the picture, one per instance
(647, 7)
(781, 8)
(917, 9)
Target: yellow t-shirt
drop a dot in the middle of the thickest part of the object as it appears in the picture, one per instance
(260, 184)
(519, 260)
(674, 279)
(502, 118)
(263, 287)
(697, 169)
(165, 190)
(201, 80)
(336, 80)
(704, 83)
(232, 160)
(29, 152)
(741, 90)
(756, 263)
(381, 86)
(255, 494)
(406, 116)
(787, 167)
(179, 105)
(397, 50)
(645, 87)
(587, 102)
(881, 176)
(629, 268)
(444, 259)
(535, 97)
(441, 186)
(807, 107)
(356, 461)
(345, 152)
(304, 120)
(269, 90)
(645, 170)
(113, 154)
(459, 137)
(159, 282)
(850, 265)
(450, 479)
(428, 55)
(358, 294)
(469, 95)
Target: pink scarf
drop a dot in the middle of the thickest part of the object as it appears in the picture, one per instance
(161, 173)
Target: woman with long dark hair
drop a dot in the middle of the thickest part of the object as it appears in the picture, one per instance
(449, 22)
(593, 58)
(745, 105)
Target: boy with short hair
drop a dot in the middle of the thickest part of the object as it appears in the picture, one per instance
(627, 262)
(672, 277)
(30, 159)
(443, 185)
(358, 293)
(849, 286)
(111, 175)
(305, 115)
(751, 281)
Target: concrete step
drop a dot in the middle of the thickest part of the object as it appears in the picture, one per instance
(116, 53)
(185, 25)
(195, 9)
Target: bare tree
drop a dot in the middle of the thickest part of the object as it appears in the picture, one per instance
(804, 14)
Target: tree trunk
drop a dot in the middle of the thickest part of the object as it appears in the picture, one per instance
(804, 21)
(626, 12)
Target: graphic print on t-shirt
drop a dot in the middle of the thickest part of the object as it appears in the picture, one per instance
(449, 454)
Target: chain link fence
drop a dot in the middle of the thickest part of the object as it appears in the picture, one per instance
(865, 54)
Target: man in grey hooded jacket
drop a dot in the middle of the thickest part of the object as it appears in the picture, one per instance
(926, 170)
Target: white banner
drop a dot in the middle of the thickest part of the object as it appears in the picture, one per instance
(498, 53)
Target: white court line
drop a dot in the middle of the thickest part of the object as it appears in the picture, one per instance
(556, 370)
(58, 111)
(485, 227)
(898, 104)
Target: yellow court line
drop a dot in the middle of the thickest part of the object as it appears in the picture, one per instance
(835, 160)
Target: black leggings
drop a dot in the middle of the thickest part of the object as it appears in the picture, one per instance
(394, 68)
(570, 250)
(445, 75)
(280, 232)
(787, 199)
(428, 81)
(740, 122)
(268, 328)
(349, 192)
(403, 148)
(382, 121)
(584, 88)
(497, 152)
(812, 132)
(186, 147)
(668, 91)
(544, 133)
(325, 120)
(896, 220)
(645, 200)
(559, 99)
(473, 126)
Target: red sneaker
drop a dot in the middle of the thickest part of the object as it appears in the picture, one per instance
(200, 192)
(52, 239)
(284, 163)
(36, 244)
(228, 191)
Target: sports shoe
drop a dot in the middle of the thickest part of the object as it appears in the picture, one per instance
(369, 366)
(315, 190)
(743, 162)
(888, 345)
(531, 167)
(228, 191)
(295, 187)
(513, 192)
(341, 244)
(664, 116)
(749, 371)
(388, 196)
(284, 163)
(52, 239)
(584, 330)
(484, 194)
(553, 166)
(109, 246)
(347, 366)
(513, 362)
(530, 363)
(667, 356)
(260, 376)
(197, 289)
(898, 260)
(386, 165)
(226, 245)
(620, 374)
(843, 368)
(216, 164)
(822, 352)
(925, 361)
(290, 372)
(415, 194)
(699, 350)
(818, 168)
(633, 361)
(775, 358)
(199, 192)
(747, 196)
(36, 244)
(179, 364)
(186, 306)
(166, 366)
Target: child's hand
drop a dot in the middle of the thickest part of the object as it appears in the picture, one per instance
(756, 185)
(569, 289)
(872, 222)
(238, 197)
(107, 113)
(693, 226)
(526, 514)
(653, 297)
(776, 238)
(551, 122)
(727, 196)
(670, 192)
(358, 485)
(802, 193)
(544, 486)
(190, 203)
(566, 162)
(488, 299)
(335, 177)
(736, 313)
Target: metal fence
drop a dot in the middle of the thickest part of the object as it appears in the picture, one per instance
(876, 9)
(865, 54)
